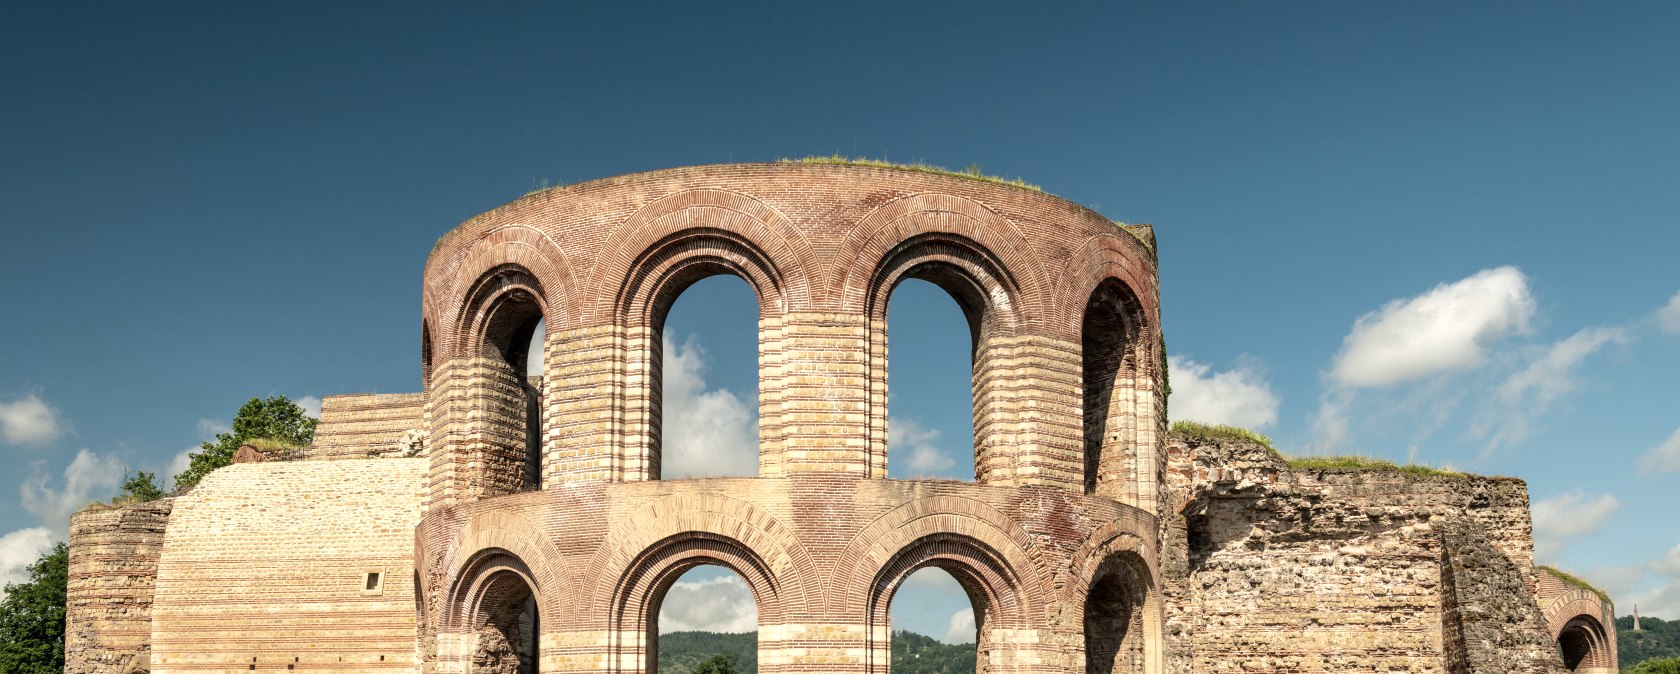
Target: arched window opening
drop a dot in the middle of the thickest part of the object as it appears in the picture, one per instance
(1114, 620)
(509, 624)
(1110, 335)
(1581, 644)
(708, 612)
(935, 624)
(515, 334)
(707, 360)
(931, 339)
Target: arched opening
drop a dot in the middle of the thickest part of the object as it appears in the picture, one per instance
(504, 319)
(707, 613)
(931, 338)
(508, 624)
(1111, 340)
(706, 360)
(994, 595)
(1582, 645)
(935, 624)
(1114, 635)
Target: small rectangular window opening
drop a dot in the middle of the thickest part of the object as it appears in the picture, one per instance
(373, 580)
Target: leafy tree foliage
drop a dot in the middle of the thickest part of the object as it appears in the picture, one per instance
(32, 617)
(1656, 665)
(1656, 638)
(140, 488)
(276, 418)
(717, 664)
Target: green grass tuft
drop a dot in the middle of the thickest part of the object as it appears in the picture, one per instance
(1221, 432)
(1366, 463)
(1573, 581)
(972, 172)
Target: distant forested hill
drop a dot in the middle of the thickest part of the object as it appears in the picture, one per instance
(1657, 638)
(912, 653)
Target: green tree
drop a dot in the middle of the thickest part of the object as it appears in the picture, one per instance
(1657, 666)
(717, 664)
(32, 617)
(277, 419)
(140, 488)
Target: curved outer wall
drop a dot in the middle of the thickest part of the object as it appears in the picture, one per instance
(1067, 458)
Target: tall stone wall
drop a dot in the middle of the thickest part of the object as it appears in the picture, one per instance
(1345, 569)
(113, 569)
(354, 426)
(264, 568)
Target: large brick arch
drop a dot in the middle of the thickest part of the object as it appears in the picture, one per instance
(450, 289)
(1116, 552)
(495, 561)
(1583, 626)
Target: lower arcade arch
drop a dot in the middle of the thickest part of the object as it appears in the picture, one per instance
(642, 590)
(994, 593)
(496, 618)
(1114, 617)
(1584, 645)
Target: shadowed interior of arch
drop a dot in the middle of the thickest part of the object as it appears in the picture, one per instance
(515, 333)
(930, 374)
(934, 624)
(707, 612)
(707, 359)
(1110, 335)
(1114, 618)
(1581, 644)
(508, 623)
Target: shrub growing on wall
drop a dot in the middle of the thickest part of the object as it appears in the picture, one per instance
(277, 419)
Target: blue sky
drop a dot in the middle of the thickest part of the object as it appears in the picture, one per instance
(1420, 231)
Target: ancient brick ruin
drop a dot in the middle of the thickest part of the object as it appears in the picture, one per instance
(502, 523)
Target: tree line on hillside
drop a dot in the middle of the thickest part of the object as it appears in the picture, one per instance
(32, 612)
(1657, 639)
(703, 653)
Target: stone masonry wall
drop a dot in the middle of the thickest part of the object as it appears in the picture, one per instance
(264, 568)
(1342, 570)
(113, 568)
(352, 426)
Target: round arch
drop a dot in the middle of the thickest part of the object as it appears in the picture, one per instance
(640, 590)
(993, 588)
(1584, 645)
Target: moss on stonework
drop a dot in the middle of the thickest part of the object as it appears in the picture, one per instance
(1221, 432)
(1574, 581)
(971, 173)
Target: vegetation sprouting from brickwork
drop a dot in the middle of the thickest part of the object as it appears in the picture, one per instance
(1229, 433)
(1220, 432)
(275, 425)
(1575, 581)
(973, 171)
(32, 617)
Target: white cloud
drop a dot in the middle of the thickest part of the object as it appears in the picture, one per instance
(721, 604)
(705, 433)
(909, 439)
(209, 428)
(18, 550)
(962, 630)
(89, 476)
(29, 421)
(1668, 317)
(1445, 329)
(180, 463)
(1567, 516)
(1663, 458)
(1239, 396)
(1527, 394)
(311, 405)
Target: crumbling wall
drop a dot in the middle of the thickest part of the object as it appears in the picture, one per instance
(355, 426)
(1343, 570)
(113, 569)
(265, 567)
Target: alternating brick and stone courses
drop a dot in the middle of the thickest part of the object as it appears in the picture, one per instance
(499, 522)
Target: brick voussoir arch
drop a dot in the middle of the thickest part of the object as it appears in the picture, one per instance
(875, 546)
(713, 523)
(480, 549)
(1130, 535)
(881, 231)
(751, 224)
(451, 290)
(1101, 258)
